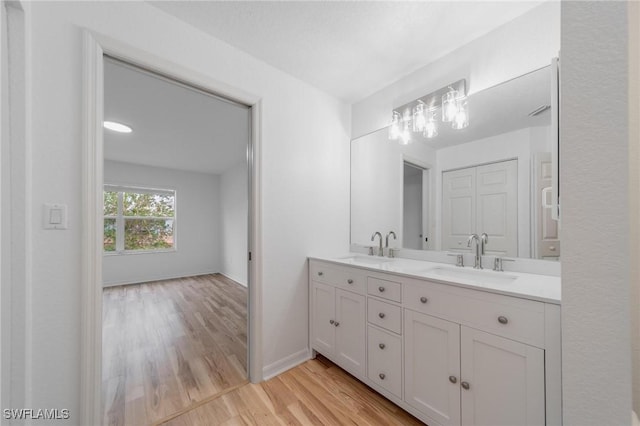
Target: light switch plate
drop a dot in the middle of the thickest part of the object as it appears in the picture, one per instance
(55, 216)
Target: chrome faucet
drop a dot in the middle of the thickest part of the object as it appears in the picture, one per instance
(380, 251)
(386, 243)
(484, 240)
(477, 264)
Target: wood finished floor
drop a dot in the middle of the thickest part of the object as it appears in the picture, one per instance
(314, 393)
(169, 344)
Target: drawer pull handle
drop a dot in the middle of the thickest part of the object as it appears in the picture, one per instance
(382, 346)
(453, 379)
(381, 315)
(502, 320)
(465, 385)
(331, 322)
(424, 299)
(381, 289)
(382, 376)
(349, 281)
(337, 323)
(320, 273)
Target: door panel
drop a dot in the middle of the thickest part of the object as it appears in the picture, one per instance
(322, 313)
(350, 349)
(506, 381)
(458, 208)
(432, 354)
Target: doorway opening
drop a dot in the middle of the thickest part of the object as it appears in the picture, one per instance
(175, 241)
(415, 211)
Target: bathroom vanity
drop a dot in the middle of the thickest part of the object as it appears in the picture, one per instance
(451, 345)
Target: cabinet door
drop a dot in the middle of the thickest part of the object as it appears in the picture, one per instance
(323, 318)
(350, 332)
(506, 381)
(432, 367)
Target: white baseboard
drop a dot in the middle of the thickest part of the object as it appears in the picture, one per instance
(285, 364)
(231, 277)
(160, 278)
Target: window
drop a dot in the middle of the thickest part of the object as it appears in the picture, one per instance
(138, 219)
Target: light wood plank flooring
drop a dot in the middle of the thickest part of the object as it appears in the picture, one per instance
(169, 344)
(314, 393)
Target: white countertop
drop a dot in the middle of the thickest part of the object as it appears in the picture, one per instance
(542, 288)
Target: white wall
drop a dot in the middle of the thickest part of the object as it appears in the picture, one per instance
(304, 136)
(520, 46)
(198, 219)
(634, 191)
(594, 149)
(234, 204)
(377, 172)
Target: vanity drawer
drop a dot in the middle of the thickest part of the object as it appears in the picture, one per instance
(389, 290)
(384, 315)
(385, 360)
(347, 278)
(511, 317)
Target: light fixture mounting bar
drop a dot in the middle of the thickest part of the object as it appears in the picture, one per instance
(433, 100)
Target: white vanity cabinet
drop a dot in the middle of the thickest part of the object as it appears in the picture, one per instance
(448, 354)
(338, 317)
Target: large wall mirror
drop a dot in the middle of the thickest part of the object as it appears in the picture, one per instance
(493, 177)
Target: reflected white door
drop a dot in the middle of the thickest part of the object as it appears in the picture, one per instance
(458, 208)
(481, 199)
(497, 206)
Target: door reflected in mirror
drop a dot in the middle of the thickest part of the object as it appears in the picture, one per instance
(493, 177)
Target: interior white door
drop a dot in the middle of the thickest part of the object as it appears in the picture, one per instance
(323, 317)
(505, 381)
(497, 206)
(432, 367)
(350, 331)
(547, 241)
(458, 208)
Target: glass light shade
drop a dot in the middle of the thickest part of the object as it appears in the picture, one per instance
(405, 136)
(419, 117)
(431, 128)
(394, 128)
(461, 119)
(449, 105)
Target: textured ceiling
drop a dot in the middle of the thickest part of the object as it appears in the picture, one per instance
(173, 126)
(349, 49)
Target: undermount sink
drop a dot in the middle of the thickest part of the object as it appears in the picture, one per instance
(365, 260)
(479, 276)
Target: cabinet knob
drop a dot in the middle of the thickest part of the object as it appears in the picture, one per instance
(502, 320)
(382, 376)
(337, 323)
(453, 379)
(465, 385)
(331, 322)
(320, 273)
(382, 346)
(381, 289)
(349, 281)
(424, 299)
(381, 315)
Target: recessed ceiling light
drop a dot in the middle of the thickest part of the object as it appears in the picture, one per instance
(117, 127)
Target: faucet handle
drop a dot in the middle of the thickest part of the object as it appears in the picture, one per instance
(370, 253)
(497, 263)
(459, 258)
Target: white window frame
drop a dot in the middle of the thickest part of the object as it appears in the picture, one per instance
(120, 218)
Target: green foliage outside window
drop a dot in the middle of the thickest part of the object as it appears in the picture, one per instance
(147, 220)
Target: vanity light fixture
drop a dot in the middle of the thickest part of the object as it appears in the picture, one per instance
(117, 127)
(421, 115)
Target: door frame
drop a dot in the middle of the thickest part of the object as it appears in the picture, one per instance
(95, 46)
